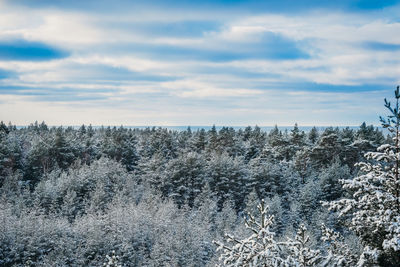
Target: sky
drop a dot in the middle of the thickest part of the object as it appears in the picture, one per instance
(175, 62)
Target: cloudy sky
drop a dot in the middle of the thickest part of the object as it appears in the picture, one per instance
(184, 63)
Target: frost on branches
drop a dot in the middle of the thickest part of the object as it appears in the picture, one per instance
(338, 252)
(301, 253)
(259, 249)
(374, 208)
(112, 261)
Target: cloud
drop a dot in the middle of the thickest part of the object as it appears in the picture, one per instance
(62, 94)
(29, 51)
(198, 89)
(182, 62)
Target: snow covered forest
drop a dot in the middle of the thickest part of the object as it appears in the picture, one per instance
(156, 197)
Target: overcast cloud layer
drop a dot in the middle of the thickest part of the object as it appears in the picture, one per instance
(179, 63)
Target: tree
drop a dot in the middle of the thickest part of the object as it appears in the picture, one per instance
(302, 254)
(112, 261)
(313, 135)
(185, 178)
(39, 160)
(228, 177)
(259, 249)
(297, 136)
(62, 151)
(339, 253)
(198, 141)
(374, 205)
(329, 180)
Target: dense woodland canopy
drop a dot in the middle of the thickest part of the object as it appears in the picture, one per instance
(157, 197)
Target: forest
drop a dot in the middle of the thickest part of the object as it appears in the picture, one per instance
(117, 196)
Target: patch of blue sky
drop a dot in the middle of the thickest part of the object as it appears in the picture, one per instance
(322, 87)
(78, 94)
(110, 73)
(181, 28)
(4, 74)
(270, 46)
(29, 51)
(236, 72)
(379, 46)
(293, 5)
(70, 98)
(244, 5)
(372, 4)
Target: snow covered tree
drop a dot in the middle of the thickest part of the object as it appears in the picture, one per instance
(308, 199)
(300, 250)
(259, 249)
(327, 149)
(198, 141)
(297, 136)
(185, 178)
(339, 253)
(39, 159)
(112, 261)
(374, 208)
(329, 180)
(62, 150)
(10, 154)
(313, 135)
(227, 178)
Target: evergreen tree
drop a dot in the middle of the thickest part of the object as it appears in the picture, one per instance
(339, 253)
(259, 249)
(39, 160)
(297, 136)
(212, 140)
(256, 142)
(228, 178)
(313, 135)
(374, 207)
(198, 141)
(4, 128)
(185, 177)
(300, 250)
(329, 180)
(62, 151)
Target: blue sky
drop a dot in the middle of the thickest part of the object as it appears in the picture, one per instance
(198, 62)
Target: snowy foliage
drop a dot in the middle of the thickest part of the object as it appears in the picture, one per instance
(112, 261)
(374, 207)
(158, 197)
(262, 248)
(302, 254)
(339, 253)
(259, 249)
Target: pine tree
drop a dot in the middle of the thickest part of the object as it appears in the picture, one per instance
(313, 135)
(62, 151)
(301, 253)
(185, 178)
(297, 136)
(259, 249)
(339, 254)
(212, 140)
(374, 207)
(198, 141)
(112, 261)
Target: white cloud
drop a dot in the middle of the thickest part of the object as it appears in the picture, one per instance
(199, 89)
